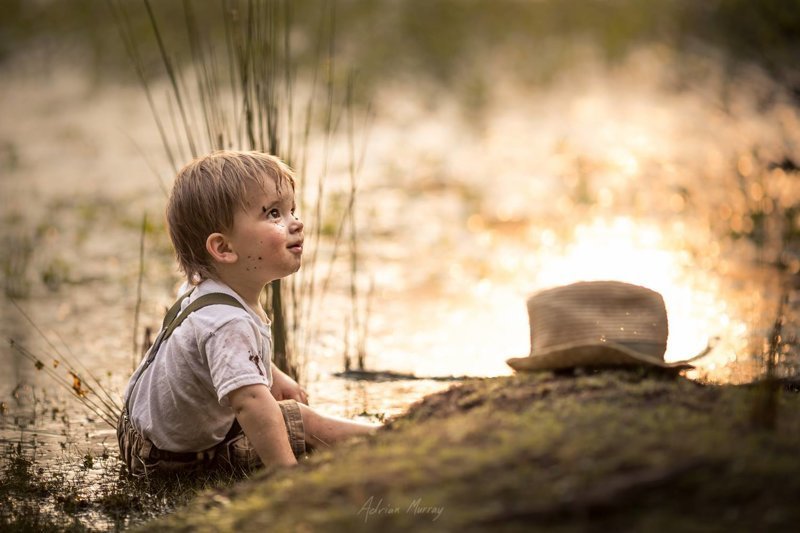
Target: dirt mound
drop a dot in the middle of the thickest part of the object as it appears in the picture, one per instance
(597, 451)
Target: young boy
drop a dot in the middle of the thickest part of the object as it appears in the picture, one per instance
(207, 394)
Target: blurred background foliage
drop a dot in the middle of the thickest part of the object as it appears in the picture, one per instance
(445, 41)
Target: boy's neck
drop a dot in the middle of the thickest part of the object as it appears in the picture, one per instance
(249, 293)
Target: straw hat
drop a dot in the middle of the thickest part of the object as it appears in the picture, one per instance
(597, 323)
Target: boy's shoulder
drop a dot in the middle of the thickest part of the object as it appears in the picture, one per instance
(212, 317)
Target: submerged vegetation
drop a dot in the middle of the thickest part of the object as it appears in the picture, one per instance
(87, 490)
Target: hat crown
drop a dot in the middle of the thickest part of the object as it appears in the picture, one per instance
(599, 313)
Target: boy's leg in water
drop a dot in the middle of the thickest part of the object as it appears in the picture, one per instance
(323, 430)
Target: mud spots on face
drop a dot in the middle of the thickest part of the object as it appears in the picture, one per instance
(259, 258)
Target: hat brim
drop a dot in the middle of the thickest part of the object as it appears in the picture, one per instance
(589, 355)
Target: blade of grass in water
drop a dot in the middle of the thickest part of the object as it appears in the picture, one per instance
(124, 27)
(256, 112)
(105, 398)
(310, 289)
(108, 402)
(173, 78)
(300, 283)
(146, 158)
(98, 408)
(139, 281)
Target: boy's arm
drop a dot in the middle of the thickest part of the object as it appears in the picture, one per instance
(262, 421)
(285, 388)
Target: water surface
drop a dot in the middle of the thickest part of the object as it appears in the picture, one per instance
(628, 173)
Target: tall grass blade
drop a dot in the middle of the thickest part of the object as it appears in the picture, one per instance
(173, 78)
(138, 306)
(108, 402)
(249, 104)
(98, 409)
(123, 23)
(765, 406)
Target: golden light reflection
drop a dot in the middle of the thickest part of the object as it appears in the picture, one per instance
(625, 250)
(625, 161)
(482, 322)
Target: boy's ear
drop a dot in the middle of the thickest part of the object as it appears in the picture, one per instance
(219, 249)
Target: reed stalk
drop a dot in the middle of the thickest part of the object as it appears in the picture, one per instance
(90, 392)
(76, 386)
(138, 306)
(172, 74)
(351, 221)
(244, 93)
(765, 407)
(123, 23)
(358, 320)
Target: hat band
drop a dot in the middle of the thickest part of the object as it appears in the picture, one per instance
(655, 349)
(648, 348)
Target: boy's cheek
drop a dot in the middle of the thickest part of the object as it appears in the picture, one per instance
(276, 238)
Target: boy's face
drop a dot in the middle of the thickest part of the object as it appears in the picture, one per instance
(266, 236)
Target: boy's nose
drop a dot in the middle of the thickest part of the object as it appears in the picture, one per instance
(296, 225)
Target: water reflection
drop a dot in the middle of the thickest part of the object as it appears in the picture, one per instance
(476, 330)
(635, 174)
(640, 253)
(603, 175)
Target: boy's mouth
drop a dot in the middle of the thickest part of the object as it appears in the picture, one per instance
(296, 248)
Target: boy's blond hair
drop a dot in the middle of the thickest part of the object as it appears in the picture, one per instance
(206, 194)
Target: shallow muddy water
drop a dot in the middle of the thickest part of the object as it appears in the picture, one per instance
(637, 173)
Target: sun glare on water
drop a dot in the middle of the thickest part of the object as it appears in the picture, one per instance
(487, 324)
(640, 253)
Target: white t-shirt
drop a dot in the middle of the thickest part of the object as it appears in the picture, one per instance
(180, 402)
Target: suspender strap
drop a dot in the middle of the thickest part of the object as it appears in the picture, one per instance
(215, 298)
(175, 309)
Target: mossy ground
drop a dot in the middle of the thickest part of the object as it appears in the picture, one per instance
(613, 450)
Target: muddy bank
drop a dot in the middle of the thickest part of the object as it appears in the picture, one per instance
(607, 451)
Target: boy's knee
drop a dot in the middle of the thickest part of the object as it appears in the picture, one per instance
(308, 414)
(311, 427)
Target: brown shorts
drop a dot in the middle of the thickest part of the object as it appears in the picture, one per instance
(235, 452)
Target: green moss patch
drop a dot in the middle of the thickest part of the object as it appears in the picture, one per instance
(604, 451)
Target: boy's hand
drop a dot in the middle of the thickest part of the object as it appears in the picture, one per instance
(285, 388)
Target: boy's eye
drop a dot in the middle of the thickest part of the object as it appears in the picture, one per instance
(272, 213)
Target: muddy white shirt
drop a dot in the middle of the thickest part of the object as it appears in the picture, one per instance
(181, 401)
